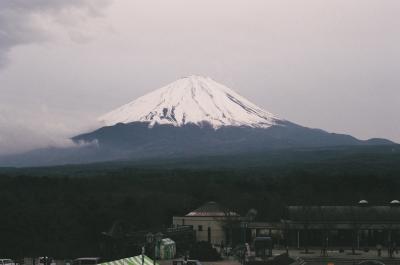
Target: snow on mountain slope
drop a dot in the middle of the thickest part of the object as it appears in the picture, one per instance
(195, 100)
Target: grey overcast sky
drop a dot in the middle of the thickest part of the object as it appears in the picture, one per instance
(332, 64)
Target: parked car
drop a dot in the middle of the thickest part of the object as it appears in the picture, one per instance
(46, 261)
(87, 261)
(188, 262)
(7, 262)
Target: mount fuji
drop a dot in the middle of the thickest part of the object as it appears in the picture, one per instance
(196, 115)
(193, 116)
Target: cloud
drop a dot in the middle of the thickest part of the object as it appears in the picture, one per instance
(24, 22)
(323, 64)
(26, 129)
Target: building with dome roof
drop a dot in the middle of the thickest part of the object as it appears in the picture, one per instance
(211, 222)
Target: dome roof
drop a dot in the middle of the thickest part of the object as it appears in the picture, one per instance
(363, 202)
(212, 209)
(395, 202)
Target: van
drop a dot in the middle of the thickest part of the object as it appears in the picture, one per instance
(7, 262)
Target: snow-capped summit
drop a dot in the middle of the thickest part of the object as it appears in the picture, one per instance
(192, 100)
(237, 127)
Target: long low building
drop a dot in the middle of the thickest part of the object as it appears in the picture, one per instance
(360, 226)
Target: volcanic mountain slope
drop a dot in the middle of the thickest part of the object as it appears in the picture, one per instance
(191, 117)
(192, 100)
(196, 115)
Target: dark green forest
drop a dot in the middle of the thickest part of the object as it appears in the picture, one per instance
(62, 211)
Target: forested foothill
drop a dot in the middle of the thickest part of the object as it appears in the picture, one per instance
(62, 211)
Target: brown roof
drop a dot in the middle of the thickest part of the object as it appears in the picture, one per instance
(212, 209)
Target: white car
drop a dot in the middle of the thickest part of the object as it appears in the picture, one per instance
(7, 262)
(86, 261)
(187, 262)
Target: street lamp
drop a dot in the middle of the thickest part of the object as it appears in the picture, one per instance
(244, 226)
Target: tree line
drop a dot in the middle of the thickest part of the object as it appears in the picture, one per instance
(63, 211)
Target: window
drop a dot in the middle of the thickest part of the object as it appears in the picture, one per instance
(200, 228)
